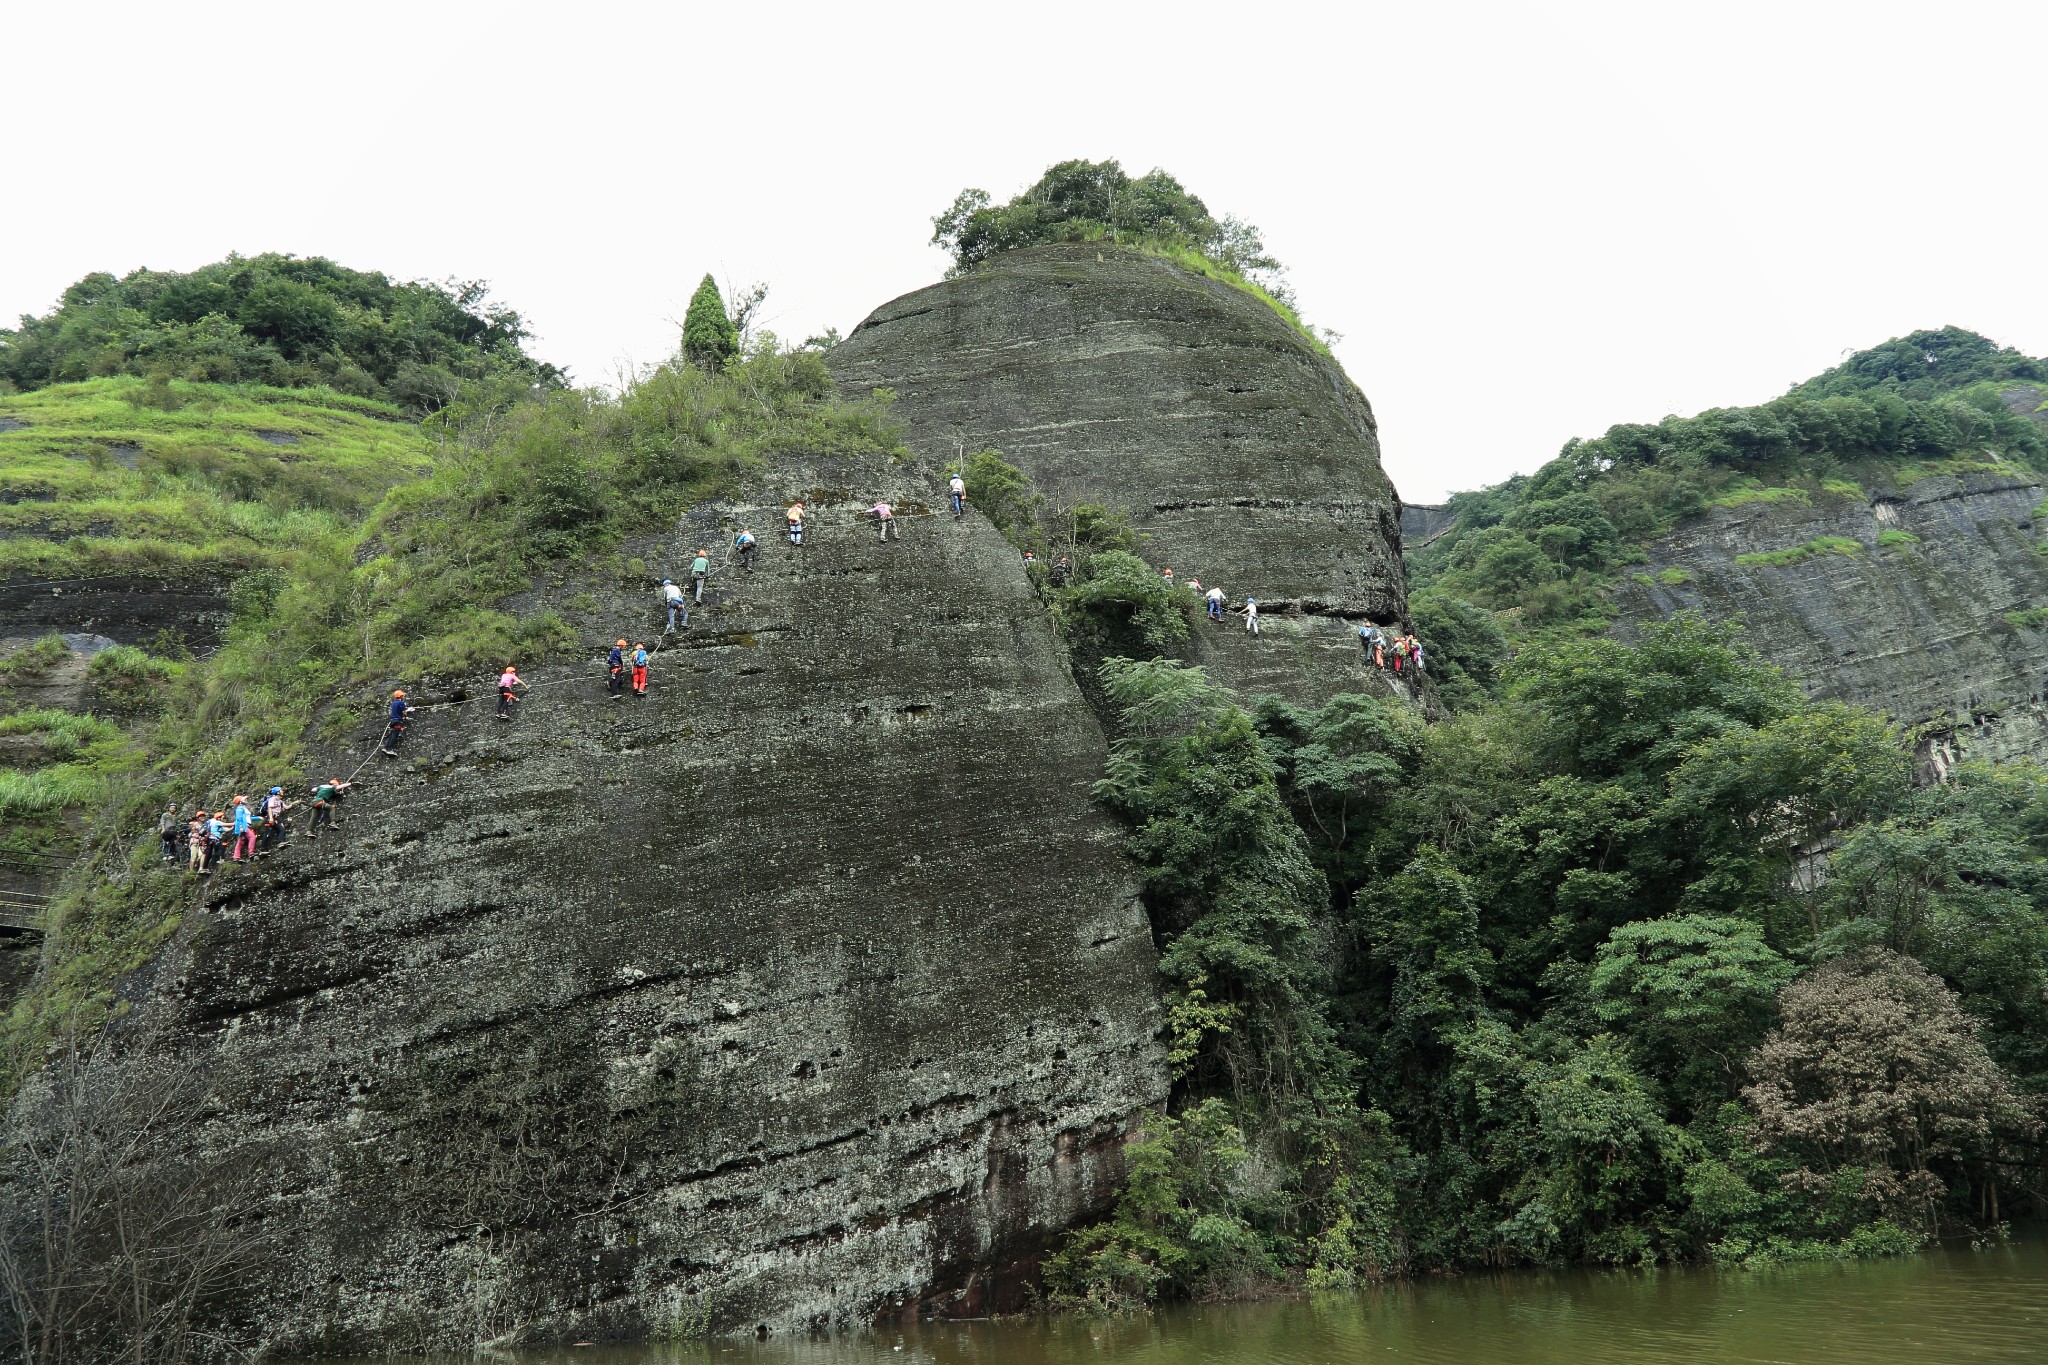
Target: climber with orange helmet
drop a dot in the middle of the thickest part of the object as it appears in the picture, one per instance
(616, 662)
(394, 728)
(640, 670)
(507, 681)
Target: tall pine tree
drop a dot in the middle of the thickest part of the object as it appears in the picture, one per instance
(709, 338)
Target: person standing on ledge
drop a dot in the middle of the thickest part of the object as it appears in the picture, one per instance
(1251, 615)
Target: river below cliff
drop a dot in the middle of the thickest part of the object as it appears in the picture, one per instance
(1947, 1306)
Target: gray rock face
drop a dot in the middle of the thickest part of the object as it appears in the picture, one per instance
(1243, 456)
(1915, 628)
(810, 988)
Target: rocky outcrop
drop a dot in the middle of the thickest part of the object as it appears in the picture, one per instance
(1924, 601)
(811, 988)
(1243, 456)
(129, 608)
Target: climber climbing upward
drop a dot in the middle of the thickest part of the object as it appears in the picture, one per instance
(700, 569)
(1215, 600)
(394, 726)
(640, 670)
(743, 546)
(508, 682)
(672, 598)
(883, 513)
(796, 523)
(958, 489)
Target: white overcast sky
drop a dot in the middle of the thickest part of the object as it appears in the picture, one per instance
(1529, 221)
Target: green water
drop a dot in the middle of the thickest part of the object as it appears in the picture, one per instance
(1942, 1307)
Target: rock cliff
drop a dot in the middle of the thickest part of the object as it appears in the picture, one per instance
(813, 987)
(1920, 600)
(1243, 456)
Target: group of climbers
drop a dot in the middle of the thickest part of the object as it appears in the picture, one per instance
(1391, 649)
(1216, 602)
(239, 832)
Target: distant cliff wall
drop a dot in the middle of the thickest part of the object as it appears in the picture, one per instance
(1927, 601)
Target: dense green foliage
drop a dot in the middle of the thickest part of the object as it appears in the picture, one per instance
(1097, 201)
(710, 338)
(1569, 978)
(286, 321)
(1923, 365)
(1547, 545)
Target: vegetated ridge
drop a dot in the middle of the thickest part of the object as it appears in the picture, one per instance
(1874, 532)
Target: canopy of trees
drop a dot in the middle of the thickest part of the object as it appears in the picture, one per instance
(1567, 978)
(1085, 201)
(1924, 365)
(283, 320)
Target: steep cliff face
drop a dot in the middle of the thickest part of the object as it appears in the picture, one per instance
(811, 987)
(1914, 600)
(1243, 456)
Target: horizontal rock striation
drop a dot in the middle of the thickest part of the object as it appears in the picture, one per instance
(810, 989)
(1243, 456)
(1913, 601)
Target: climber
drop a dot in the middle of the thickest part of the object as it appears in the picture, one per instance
(1415, 653)
(394, 725)
(167, 826)
(672, 598)
(1379, 652)
(958, 488)
(796, 523)
(508, 682)
(616, 662)
(195, 843)
(216, 837)
(1400, 653)
(1367, 633)
(1195, 586)
(700, 569)
(744, 546)
(1062, 570)
(639, 670)
(886, 516)
(1030, 560)
(244, 830)
(1215, 599)
(326, 797)
(1251, 615)
(274, 807)
(1167, 574)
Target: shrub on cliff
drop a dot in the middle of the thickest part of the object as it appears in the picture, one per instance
(1086, 201)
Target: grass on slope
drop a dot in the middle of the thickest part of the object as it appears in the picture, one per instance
(123, 474)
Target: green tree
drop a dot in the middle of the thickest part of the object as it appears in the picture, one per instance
(710, 340)
(1695, 991)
